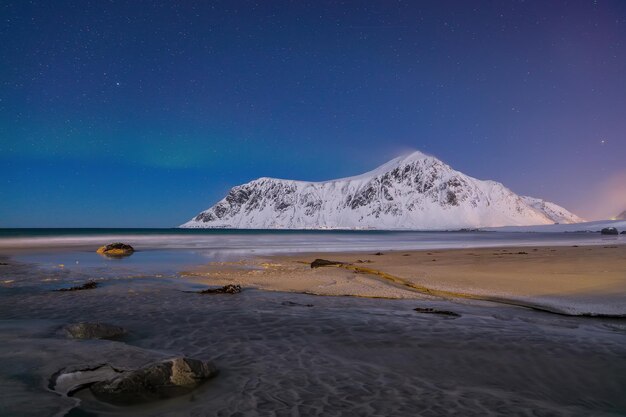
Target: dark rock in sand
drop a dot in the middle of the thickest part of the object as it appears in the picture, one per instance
(623, 232)
(609, 231)
(434, 311)
(323, 262)
(378, 253)
(160, 380)
(94, 331)
(293, 304)
(89, 285)
(226, 289)
(3, 263)
(117, 249)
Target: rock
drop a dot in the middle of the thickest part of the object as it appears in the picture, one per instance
(323, 262)
(294, 304)
(609, 231)
(623, 232)
(69, 380)
(226, 289)
(94, 331)
(116, 249)
(89, 285)
(156, 381)
(379, 253)
(434, 311)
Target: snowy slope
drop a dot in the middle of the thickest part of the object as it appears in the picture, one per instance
(555, 212)
(417, 192)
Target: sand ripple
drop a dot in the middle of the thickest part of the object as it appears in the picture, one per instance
(341, 357)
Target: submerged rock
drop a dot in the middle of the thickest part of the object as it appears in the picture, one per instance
(117, 249)
(434, 311)
(609, 231)
(156, 381)
(226, 289)
(89, 285)
(94, 331)
(294, 304)
(324, 262)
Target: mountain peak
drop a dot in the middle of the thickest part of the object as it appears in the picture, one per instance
(414, 156)
(406, 159)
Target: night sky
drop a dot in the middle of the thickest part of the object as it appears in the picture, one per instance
(142, 114)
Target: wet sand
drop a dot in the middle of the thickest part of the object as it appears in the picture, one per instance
(568, 280)
(285, 353)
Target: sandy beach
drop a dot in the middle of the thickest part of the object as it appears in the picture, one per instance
(342, 340)
(568, 280)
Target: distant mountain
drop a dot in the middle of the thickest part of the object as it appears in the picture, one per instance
(414, 192)
(621, 216)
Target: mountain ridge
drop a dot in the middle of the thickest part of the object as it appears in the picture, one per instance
(410, 192)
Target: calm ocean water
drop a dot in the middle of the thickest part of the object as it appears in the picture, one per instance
(282, 240)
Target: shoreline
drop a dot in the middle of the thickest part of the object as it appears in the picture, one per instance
(420, 352)
(276, 242)
(576, 280)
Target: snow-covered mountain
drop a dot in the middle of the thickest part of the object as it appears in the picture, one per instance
(417, 192)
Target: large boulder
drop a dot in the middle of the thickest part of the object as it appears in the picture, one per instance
(156, 381)
(116, 250)
(609, 231)
(94, 331)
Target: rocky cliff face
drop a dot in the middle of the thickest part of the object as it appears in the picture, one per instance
(417, 192)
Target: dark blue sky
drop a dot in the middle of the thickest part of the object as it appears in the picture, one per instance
(130, 113)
